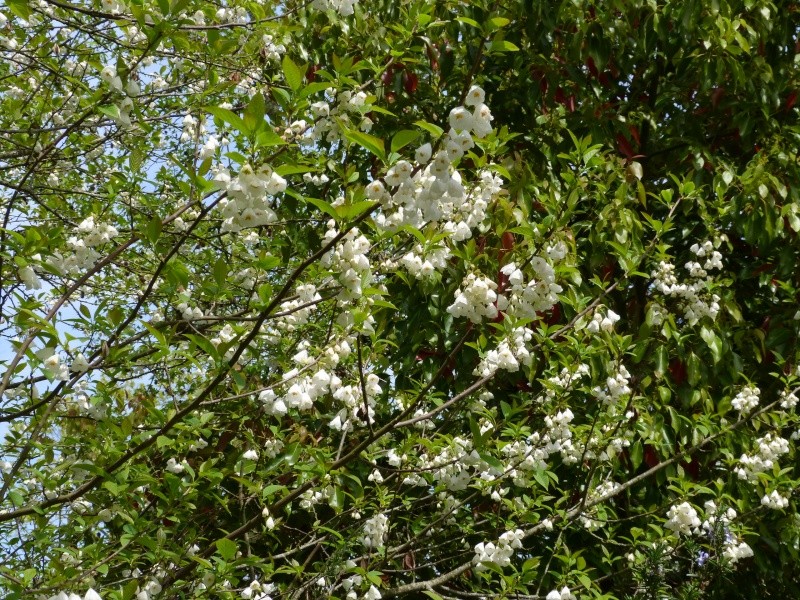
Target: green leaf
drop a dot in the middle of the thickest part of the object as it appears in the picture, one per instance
(227, 116)
(226, 548)
(468, 21)
(365, 140)
(115, 315)
(282, 97)
(542, 478)
(267, 137)
(351, 211)
(202, 343)
(313, 88)
(135, 159)
(129, 590)
(290, 169)
(503, 46)
(16, 498)
(292, 73)
(221, 271)
(153, 229)
(254, 114)
(636, 454)
(109, 110)
(323, 206)
(496, 23)
(662, 358)
(434, 130)
(403, 138)
(20, 8)
(265, 292)
(491, 461)
(713, 342)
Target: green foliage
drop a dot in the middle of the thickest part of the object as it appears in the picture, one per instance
(287, 311)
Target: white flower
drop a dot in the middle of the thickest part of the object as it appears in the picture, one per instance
(375, 530)
(423, 154)
(562, 594)
(475, 300)
(250, 455)
(209, 148)
(682, 519)
(746, 400)
(475, 96)
(375, 190)
(788, 400)
(80, 364)
(775, 501)
(173, 466)
(109, 75)
(735, 551)
(28, 276)
(460, 119)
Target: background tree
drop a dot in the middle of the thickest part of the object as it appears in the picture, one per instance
(362, 300)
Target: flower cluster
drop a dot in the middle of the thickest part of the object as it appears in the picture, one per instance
(602, 323)
(356, 409)
(258, 591)
(270, 50)
(562, 594)
(478, 120)
(499, 554)
(88, 235)
(788, 400)
(558, 436)
(28, 276)
(237, 15)
(375, 531)
(193, 129)
(301, 394)
(705, 250)
(508, 356)
(89, 595)
(450, 467)
(475, 299)
(682, 519)
(526, 456)
(79, 402)
(338, 107)
(696, 302)
(249, 196)
(770, 448)
(188, 313)
(604, 490)
(343, 7)
(616, 387)
(775, 501)
(51, 363)
(434, 192)
(735, 551)
(296, 312)
(526, 299)
(423, 263)
(563, 382)
(348, 261)
(746, 400)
